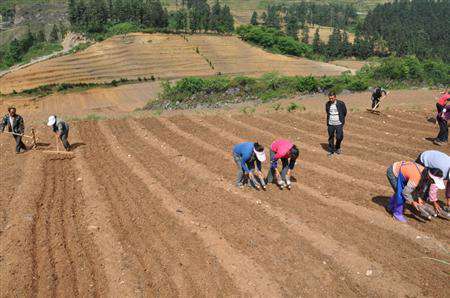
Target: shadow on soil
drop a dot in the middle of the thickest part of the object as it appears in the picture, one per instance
(324, 146)
(432, 120)
(42, 144)
(76, 145)
(384, 202)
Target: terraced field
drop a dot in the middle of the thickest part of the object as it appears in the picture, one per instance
(163, 57)
(147, 207)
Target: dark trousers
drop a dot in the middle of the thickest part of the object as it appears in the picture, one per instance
(443, 130)
(335, 132)
(19, 144)
(375, 102)
(285, 165)
(392, 178)
(64, 139)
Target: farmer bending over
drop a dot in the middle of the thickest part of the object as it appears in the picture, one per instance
(288, 153)
(410, 180)
(442, 117)
(377, 95)
(439, 160)
(246, 155)
(15, 125)
(61, 130)
(336, 113)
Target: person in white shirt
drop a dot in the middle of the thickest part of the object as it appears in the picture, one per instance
(336, 113)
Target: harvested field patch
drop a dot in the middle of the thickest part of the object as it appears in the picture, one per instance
(163, 57)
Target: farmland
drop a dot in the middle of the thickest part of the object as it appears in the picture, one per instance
(148, 207)
(163, 57)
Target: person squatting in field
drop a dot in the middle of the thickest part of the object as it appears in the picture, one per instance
(16, 126)
(246, 155)
(439, 160)
(442, 117)
(377, 95)
(412, 182)
(336, 113)
(61, 130)
(288, 153)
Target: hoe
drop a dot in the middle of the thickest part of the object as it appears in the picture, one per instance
(32, 137)
(35, 144)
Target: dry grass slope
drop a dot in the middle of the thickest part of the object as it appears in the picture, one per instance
(161, 56)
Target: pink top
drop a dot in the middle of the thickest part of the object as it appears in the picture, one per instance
(433, 193)
(443, 100)
(281, 148)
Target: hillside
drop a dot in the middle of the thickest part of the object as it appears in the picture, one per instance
(36, 15)
(163, 57)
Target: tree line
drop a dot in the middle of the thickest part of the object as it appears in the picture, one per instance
(95, 16)
(295, 15)
(30, 45)
(417, 27)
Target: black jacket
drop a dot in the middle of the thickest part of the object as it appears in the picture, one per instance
(342, 110)
(17, 127)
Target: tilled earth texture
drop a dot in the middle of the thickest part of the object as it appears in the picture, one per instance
(161, 56)
(147, 207)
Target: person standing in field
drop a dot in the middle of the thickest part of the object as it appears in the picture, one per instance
(411, 183)
(288, 153)
(16, 126)
(442, 117)
(440, 160)
(336, 114)
(61, 130)
(377, 95)
(246, 155)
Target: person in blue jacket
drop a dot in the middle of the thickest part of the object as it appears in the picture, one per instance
(246, 155)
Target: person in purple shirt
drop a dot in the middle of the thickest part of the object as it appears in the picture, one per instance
(246, 155)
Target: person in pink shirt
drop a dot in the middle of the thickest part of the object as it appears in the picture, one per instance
(288, 153)
(442, 117)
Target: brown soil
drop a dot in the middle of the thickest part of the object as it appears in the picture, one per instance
(163, 57)
(147, 207)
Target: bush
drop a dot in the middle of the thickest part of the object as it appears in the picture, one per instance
(122, 28)
(273, 40)
(307, 84)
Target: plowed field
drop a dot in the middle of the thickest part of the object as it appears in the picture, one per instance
(162, 56)
(148, 208)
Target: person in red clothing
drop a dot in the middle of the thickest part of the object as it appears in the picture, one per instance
(288, 153)
(442, 116)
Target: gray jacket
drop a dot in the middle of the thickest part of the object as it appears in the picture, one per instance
(17, 127)
(60, 126)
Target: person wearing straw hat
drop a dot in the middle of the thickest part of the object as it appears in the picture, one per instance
(412, 182)
(16, 127)
(246, 155)
(61, 130)
(288, 153)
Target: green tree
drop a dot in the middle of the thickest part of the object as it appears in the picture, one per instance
(40, 36)
(54, 35)
(273, 17)
(317, 43)
(346, 45)
(254, 19)
(292, 25)
(227, 19)
(216, 24)
(305, 34)
(334, 44)
(264, 17)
